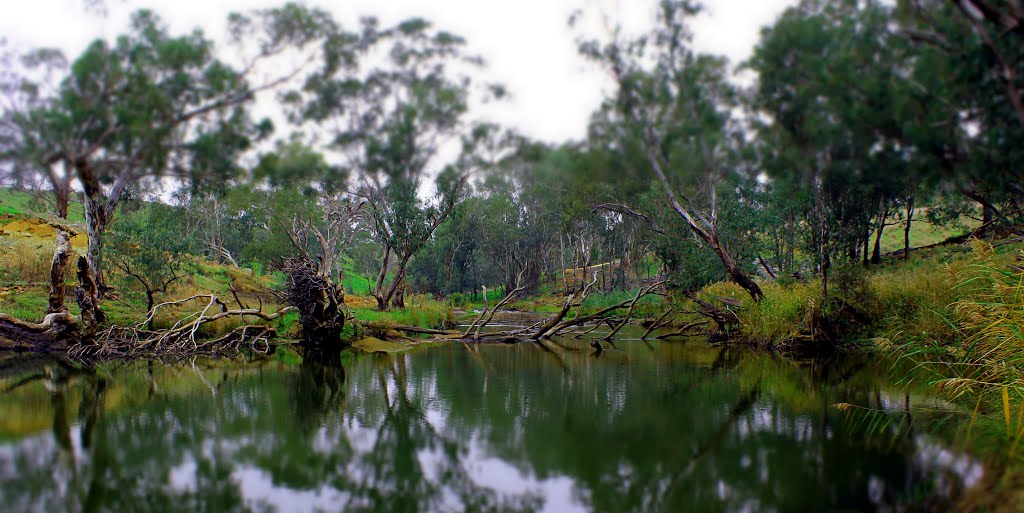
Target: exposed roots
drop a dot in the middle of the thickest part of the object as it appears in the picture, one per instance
(319, 300)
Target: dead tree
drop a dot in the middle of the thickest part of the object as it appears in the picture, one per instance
(318, 298)
(652, 124)
(315, 276)
(59, 327)
(183, 338)
(509, 297)
(725, 318)
(558, 324)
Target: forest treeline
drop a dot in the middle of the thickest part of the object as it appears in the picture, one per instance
(864, 117)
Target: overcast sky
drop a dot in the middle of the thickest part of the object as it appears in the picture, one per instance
(527, 43)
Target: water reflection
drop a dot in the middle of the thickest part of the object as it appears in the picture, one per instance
(637, 427)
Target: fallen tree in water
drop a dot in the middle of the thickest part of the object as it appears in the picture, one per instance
(561, 324)
(183, 337)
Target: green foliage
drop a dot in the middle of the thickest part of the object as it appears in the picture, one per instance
(147, 247)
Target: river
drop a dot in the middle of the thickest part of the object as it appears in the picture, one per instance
(558, 427)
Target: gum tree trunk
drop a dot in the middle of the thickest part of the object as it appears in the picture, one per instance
(61, 256)
(906, 230)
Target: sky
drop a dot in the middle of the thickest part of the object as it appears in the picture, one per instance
(527, 44)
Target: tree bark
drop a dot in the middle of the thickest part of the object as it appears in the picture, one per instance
(384, 298)
(906, 230)
(876, 254)
(61, 255)
(398, 298)
(382, 304)
(95, 225)
(867, 242)
(149, 308)
(86, 295)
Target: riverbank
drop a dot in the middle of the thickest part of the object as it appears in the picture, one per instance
(952, 316)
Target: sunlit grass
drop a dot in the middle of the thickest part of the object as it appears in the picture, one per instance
(420, 310)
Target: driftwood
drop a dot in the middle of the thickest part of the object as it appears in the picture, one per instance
(572, 301)
(723, 317)
(660, 322)
(423, 331)
(629, 313)
(685, 330)
(557, 324)
(182, 337)
(511, 295)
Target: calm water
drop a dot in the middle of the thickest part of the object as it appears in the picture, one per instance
(676, 426)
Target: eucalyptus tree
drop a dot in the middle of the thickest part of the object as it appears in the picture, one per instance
(674, 106)
(839, 123)
(390, 105)
(968, 61)
(150, 104)
(27, 89)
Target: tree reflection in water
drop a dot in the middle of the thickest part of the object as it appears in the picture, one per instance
(657, 427)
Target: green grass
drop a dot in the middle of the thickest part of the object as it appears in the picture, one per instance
(906, 300)
(357, 284)
(421, 311)
(30, 304)
(952, 319)
(922, 233)
(647, 306)
(18, 202)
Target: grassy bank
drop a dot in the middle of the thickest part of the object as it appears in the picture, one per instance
(953, 319)
(25, 268)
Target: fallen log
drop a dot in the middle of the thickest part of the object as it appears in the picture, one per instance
(723, 317)
(424, 331)
(519, 288)
(51, 333)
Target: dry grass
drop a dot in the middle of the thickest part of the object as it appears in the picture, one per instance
(26, 259)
